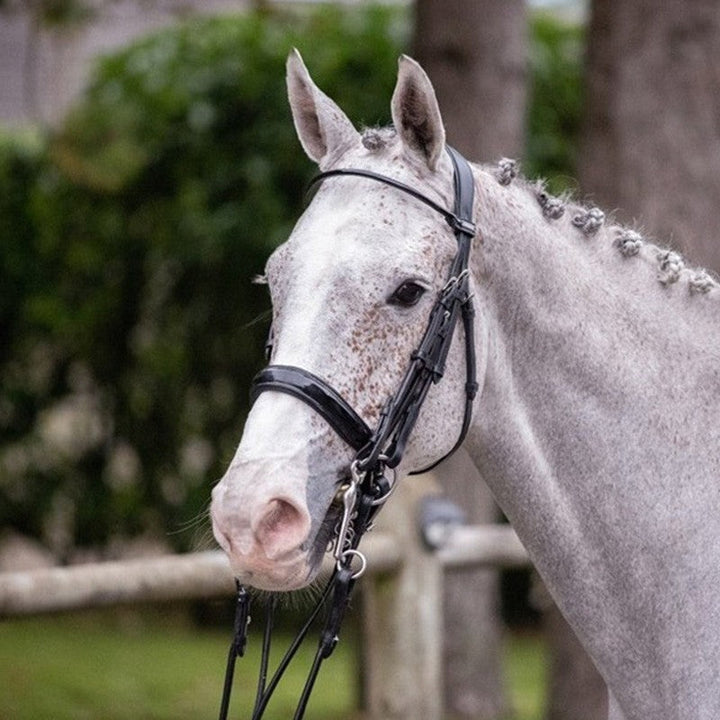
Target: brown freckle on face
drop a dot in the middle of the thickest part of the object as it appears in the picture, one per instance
(377, 349)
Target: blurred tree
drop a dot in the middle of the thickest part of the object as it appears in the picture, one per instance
(576, 689)
(651, 141)
(131, 331)
(475, 52)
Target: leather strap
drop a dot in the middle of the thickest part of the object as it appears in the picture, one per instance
(453, 219)
(322, 398)
(465, 231)
(464, 193)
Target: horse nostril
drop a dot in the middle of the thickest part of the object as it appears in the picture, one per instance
(281, 527)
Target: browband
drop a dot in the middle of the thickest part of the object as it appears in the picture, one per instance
(456, 222)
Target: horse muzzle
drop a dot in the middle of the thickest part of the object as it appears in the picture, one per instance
(267, 543)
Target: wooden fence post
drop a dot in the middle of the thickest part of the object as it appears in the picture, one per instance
(403, 619)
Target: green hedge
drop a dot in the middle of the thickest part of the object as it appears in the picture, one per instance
(129, 326)
(555, 103)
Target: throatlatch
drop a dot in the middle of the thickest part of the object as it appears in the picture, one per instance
(376, 450)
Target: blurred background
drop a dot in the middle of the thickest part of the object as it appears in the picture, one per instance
(148, 166)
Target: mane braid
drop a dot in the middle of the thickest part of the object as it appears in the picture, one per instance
(590, 220)
(377, 139)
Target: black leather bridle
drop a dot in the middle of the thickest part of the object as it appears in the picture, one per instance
(387, 442)
(377, 449)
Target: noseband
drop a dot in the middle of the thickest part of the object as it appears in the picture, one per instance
(376, 449)
(386, 444)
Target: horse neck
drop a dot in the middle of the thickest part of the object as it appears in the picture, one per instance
(597, 429)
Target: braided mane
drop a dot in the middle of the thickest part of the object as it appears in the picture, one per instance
(630, 243)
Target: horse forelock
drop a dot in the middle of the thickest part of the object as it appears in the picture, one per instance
(378, 138)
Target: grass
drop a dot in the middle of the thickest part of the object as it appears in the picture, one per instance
(155, 666)
(525, 673)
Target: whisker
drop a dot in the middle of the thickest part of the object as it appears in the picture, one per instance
(201, 527)
(263, 317)
(195, 521)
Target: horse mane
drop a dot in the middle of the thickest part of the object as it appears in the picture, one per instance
(590, 220)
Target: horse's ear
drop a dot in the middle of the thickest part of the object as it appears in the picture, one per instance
(323, 128)
(415, 112)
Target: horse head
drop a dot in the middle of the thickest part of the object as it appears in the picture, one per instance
(351, 289)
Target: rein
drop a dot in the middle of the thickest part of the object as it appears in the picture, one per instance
(376, 450)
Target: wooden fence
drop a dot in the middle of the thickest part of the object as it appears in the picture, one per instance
(402, 596)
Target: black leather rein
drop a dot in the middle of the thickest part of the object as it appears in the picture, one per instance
(375, 450)
(387, 442)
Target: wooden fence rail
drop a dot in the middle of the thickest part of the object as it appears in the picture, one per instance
(201, 575)
(207, 574)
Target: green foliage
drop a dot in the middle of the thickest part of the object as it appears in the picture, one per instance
(133, 329)
(19, 162)
(555, 104)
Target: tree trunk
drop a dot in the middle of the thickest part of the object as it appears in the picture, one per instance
(475, 52)
(576, 691)
(652, 130)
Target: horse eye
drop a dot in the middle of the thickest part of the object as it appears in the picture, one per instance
(407, 294)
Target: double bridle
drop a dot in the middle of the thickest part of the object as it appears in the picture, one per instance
(376, 450)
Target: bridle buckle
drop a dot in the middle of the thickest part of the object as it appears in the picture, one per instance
(459, 225)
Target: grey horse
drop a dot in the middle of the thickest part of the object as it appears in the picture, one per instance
(597, 423)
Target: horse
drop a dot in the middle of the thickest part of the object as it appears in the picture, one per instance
(596, 419)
